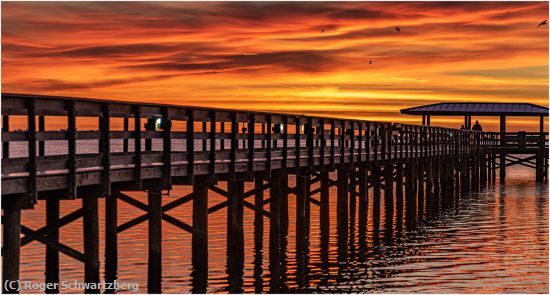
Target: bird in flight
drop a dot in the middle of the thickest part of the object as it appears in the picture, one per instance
(323, 30)
(370, 62)
(543, 23)
(397, 29)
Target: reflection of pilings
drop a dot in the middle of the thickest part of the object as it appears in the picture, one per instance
(388, 200)
(154, 272)
(11, 243)
(342, 212)
(352, 210)
(52, 255)
(301, 229)
(324, 216)
(376, 194)
(420, 185)
(437, 187)
(399, 190)
(363, 207)
(235, 236)
(410, 205)
(91, 242)
(258, 233)
(200, 236)
(111, 243)
(429, 189)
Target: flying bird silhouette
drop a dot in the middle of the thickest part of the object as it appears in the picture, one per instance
(543, 23)
(397, 29)
(370, 62)
(323, 30)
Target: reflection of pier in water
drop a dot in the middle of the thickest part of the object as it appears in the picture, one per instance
(414, 171)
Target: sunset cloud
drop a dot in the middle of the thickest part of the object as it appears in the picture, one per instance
(273, 56)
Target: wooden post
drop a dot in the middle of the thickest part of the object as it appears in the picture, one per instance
(5, 144)
(125, 140)
(111, 240)
(154, 271)
(502, 162)
(41, 143)
(258, 232)
(91, 242)
(275, 264)
(301, 229)
(342, 211)
(11, 243)
(199, 242)
(235, 236)
(52, 255)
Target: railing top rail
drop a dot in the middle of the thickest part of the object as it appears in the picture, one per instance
(10, 107)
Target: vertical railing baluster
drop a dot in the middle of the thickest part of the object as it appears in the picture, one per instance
(71, 139)
(251, 131)
(323, 143)
(125, 140)
(332, 131)
(32, 166)
(166, 149)
(297, 142)
(41, 129)
(212, 136)
(5, 144)
(268, 142)
(190, 143)
(105, 145)
(137, 145)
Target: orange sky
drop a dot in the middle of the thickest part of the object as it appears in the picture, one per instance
(273, 56)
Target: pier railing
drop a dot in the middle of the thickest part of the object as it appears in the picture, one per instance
(58, 148)
(140, 141)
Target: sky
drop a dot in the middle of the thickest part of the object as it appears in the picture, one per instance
(337, 59)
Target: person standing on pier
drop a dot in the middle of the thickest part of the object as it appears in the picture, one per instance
(477, 127)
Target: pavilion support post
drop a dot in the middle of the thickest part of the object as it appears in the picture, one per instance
(428, 123)
(41, 143)
(5, 144)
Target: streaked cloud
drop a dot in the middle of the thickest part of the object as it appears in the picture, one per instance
(273, 55)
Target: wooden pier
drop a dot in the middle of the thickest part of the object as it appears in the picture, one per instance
(421, 168)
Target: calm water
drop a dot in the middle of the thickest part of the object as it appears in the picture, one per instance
(494, 242)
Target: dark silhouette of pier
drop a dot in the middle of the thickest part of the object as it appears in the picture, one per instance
(419, 168)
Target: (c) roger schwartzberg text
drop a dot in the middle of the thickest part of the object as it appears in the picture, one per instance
(72, 285)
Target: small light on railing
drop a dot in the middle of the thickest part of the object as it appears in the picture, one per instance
(158, 124)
